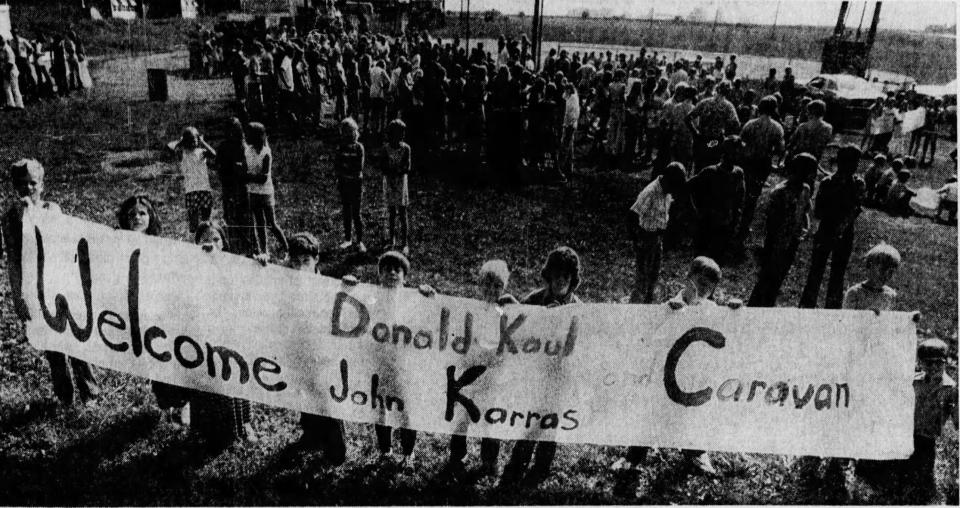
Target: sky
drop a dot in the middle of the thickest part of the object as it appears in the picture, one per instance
(906, 15)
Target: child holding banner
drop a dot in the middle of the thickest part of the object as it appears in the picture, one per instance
(393, 268)
(216, 418)
(561, 277)
(137, 214)
(936, 402)
(321, 432)
(494, 277)
(27, 178)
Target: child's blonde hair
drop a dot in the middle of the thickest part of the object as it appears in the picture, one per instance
(883, 254)
(495, 270)
(350, 123)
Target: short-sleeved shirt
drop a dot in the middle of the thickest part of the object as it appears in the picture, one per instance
(395, 161)
(864, 297)
(653, 207)
(717, 117)
(788, 213)
(812, 137)
(706, 302)
(762, 137)
(935, 402)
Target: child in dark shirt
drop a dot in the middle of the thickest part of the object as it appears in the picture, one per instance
(561, 277)
(348, 164)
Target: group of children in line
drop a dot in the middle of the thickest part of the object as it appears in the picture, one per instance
(221, 420)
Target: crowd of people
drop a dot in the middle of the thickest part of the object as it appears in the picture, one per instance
(711, 141)
(44, 68)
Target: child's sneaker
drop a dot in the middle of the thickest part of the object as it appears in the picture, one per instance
(361, 248)
(408, 462)
(406, 250)
(346, 245)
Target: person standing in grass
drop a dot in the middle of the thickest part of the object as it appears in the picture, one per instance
(10, 76)
(838, 205)
(718, 193)
(321, 432)
(763, 142)
(872, 176)
(715, 117)
(561, 278)
(231, 166)
(652, 208)
(814, 135)
(788, 219)
(494, 279)
(348, 165)
(395, 166)
(138, 214)
(259, 159)
(66, 373)
(393, 268)
(217, 419)
(192, 154)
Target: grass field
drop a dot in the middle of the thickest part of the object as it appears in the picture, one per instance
(928, 59)
(118, 452)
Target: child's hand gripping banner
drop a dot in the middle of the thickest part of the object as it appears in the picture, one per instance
(785, 381)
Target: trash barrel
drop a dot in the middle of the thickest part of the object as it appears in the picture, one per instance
(157, 84)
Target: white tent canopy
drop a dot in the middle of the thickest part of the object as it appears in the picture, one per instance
(937, 90)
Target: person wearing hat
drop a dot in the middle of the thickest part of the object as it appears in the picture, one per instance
(27, 178)
(838, 204)
(763, 141)
(718, 194)
(788, 219)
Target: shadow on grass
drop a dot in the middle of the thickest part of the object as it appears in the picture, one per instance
(13, 418)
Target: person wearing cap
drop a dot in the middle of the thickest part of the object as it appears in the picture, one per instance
(814, 135)
(393, 268)
(718, 193)
(561, 278)
(787, 222)
(763, 141)
(912, 481)
(27, 178)
(838, 204)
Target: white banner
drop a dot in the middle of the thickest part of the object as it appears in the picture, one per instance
(787, 381)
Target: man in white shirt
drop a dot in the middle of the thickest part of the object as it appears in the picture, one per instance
(379, 85)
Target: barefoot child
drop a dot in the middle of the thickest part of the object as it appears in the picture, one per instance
(260, 189)
(395, 165)
(27, 178)
(192, 154)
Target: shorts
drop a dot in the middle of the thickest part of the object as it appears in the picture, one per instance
(199, 206)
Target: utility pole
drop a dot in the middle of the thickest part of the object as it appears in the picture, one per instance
(535, 34)
(776, 17)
